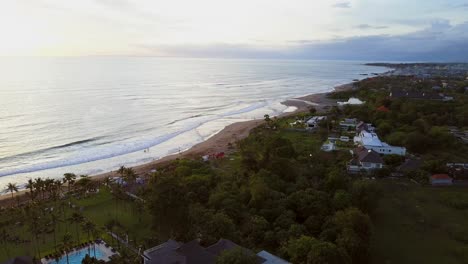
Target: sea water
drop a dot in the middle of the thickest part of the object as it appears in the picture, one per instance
(90, 115)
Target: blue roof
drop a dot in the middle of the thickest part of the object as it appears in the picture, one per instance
(271, 259)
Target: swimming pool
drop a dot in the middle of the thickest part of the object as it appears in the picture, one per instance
(75, 257)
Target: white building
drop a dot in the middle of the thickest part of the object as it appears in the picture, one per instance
(370, 140)
(313, 122)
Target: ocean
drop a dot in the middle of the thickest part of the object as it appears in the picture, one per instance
(90, 115)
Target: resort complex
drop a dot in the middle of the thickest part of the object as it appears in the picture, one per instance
(329, 183)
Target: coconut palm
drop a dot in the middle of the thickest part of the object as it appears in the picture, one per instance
(70, 179)
(39, 183)
(4, 240)
(84, 183)
(89, 227)
(121, 171)
(130, 175)
(67, 244)
(30, 186)
(76, 219)
(55, 219)
(12, 187)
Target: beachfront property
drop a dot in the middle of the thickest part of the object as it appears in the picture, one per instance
(364, 160)
(313, 122)
(370, 140)
(173, 251)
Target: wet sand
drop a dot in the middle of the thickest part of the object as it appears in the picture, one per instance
(221, 141)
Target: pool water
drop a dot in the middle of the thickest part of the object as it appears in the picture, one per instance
(77, 256)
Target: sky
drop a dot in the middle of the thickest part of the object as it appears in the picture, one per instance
(300, 29)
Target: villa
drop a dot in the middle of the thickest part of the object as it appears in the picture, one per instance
(370, 140)
(192, 252)
(348, 123)
(366, 160)
(313, 122)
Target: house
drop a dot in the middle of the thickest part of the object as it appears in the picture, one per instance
(441, 180)
(327, 147)
(313, 122)
(421, 95)
(333, 138)
(348, 123)
(271, 259)
(408, 166)
(364, 127)
(370, 140)
(366, 160)
(173, 252)
(383, 109)
(344, 139)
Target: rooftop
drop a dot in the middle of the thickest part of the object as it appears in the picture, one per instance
(441, 177)
(366, 155)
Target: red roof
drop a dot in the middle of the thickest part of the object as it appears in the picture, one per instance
(383, 109)
(441, 177)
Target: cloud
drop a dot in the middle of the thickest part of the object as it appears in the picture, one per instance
(367, 26)
(438, 42)
(342, 5)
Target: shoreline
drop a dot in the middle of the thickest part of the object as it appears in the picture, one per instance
(220, 141)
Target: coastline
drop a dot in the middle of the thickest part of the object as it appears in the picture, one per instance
(219, 142)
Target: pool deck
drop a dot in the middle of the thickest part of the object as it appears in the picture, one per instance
(107, 253)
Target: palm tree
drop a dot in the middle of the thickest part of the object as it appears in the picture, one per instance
(30, 186)
(12, 187)
(130, 175)
(4, 240)
(55, 219)
(108, 182)
(49, 187)
(121, 171)
(67, 244)
(89, 227)
(84, 183)
(39, 183)
(70, 179)
(77, 219)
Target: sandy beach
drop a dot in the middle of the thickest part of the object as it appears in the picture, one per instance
(219, 142)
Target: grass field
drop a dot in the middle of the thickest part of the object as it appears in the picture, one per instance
(416, 224)
(99, 209)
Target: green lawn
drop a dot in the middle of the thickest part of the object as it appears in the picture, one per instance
(99, 209)
(416, 224)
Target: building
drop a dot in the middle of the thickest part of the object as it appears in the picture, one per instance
(271, 259)
(327, 147)
(173, 252)
(348, 123)
(409, 165)
(421, 95)
(365, 160)
(364, 127)
(370, 140)
(313, 122)
(441, 180)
